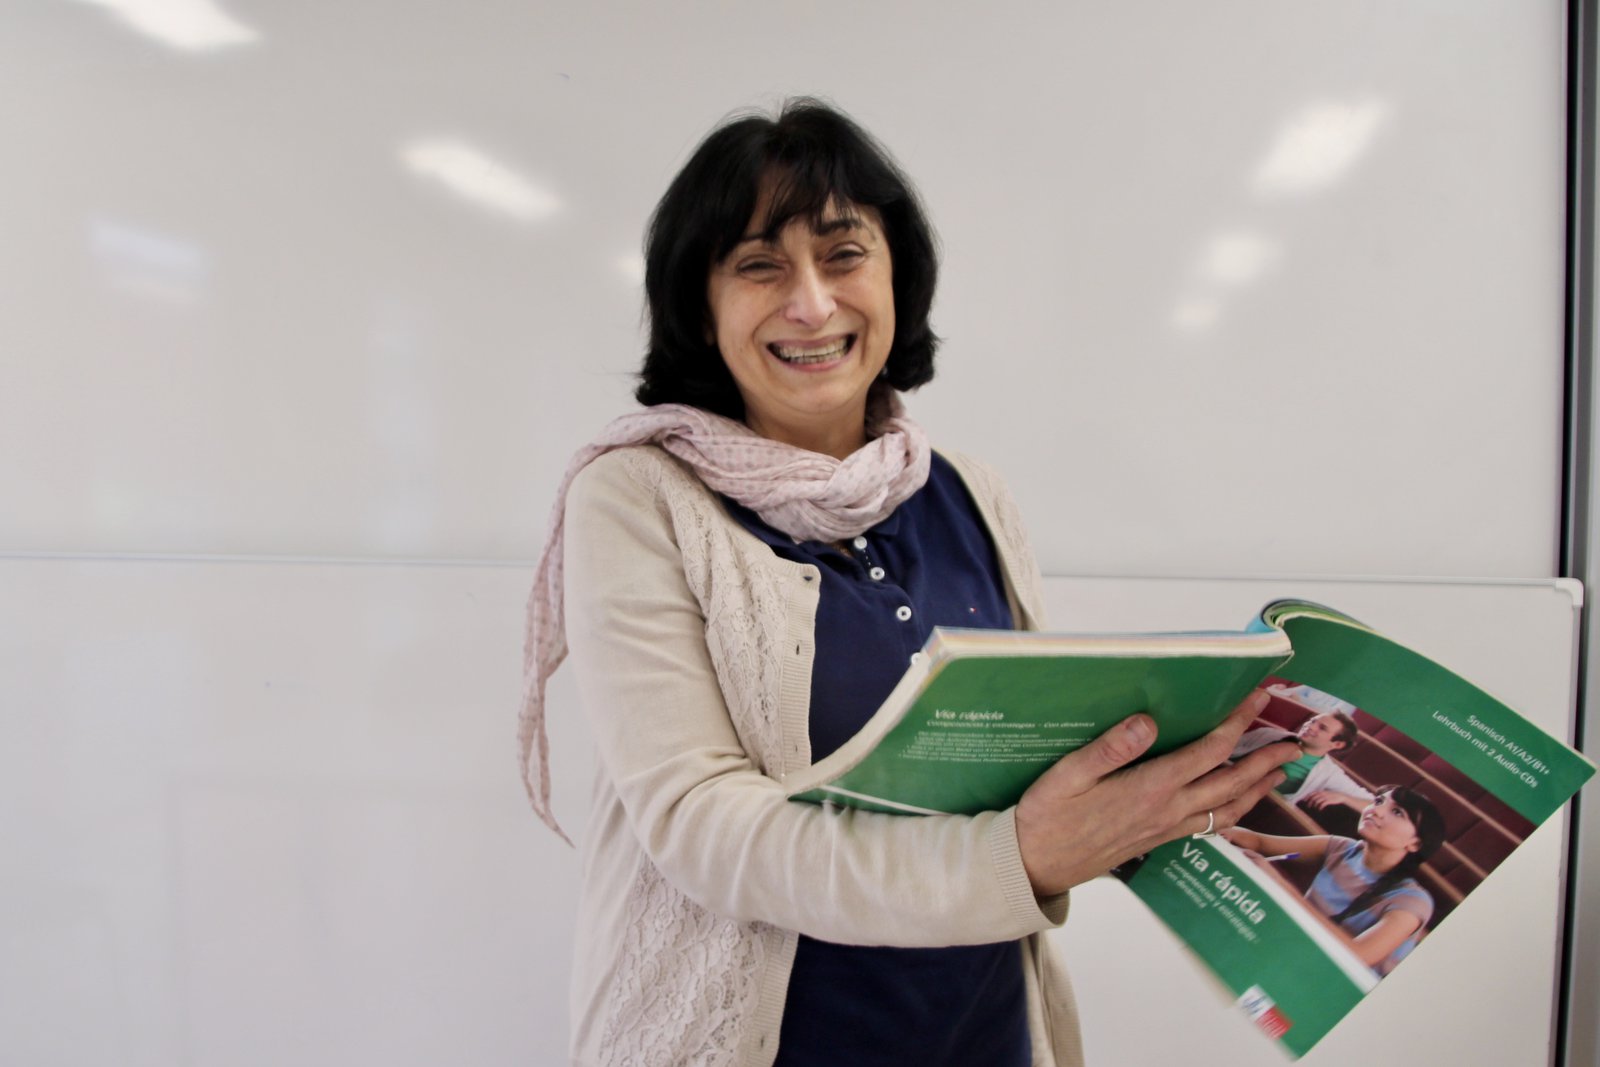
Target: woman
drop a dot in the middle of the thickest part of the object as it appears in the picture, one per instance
(747, 566)
(1366, 886)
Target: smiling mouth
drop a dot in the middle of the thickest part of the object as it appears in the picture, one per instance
(801, 355)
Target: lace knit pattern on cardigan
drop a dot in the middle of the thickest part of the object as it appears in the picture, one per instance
(689, 978)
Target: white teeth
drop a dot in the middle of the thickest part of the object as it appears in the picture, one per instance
(833, 350)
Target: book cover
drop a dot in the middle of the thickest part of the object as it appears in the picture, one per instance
(1417, 785)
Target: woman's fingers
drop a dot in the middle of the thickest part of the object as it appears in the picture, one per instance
(1119, 746)
(1202, 754)
(1246, 781)
(1078, 771)
(1229, 813)
(1091, 810)
(1223, 795)
(1077, 819)
(1221, 784)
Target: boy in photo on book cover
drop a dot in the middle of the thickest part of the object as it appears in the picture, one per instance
(1316, 781)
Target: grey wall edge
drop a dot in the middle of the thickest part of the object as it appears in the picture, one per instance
(1578, 1025)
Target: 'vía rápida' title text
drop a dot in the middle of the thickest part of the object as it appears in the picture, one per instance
(1233, 892)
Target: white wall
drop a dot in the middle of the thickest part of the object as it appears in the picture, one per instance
(1234, 287)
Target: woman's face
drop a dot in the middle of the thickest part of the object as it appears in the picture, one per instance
(1386, 825)
(804, 323)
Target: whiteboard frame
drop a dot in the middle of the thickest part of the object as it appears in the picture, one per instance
(1578, 1029)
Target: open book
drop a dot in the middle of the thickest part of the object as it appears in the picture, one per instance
(1306, 909)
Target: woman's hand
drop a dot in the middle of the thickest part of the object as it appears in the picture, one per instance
(1091, 811)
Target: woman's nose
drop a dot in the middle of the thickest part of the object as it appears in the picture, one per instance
(810, 298)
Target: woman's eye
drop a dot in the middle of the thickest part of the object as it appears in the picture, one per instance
(846, 257)
(757, 266)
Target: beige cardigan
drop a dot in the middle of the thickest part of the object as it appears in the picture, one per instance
(692, 644)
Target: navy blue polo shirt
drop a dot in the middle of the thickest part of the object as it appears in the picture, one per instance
(930, 563)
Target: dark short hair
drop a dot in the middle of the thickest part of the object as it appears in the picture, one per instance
(818, 156)
(1349, 732)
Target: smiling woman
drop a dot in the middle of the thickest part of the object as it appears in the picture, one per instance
(744, 568)
(756, 192)
(804, 321)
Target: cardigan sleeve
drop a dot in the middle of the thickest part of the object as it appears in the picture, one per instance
(717, 827)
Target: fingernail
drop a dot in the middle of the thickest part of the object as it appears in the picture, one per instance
(1258, 699)
(1139, 729)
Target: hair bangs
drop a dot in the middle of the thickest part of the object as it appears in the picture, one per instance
(806, 189)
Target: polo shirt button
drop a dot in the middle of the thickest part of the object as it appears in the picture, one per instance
(860, 542)
(876, 574)
(902, 613)
(916, 658)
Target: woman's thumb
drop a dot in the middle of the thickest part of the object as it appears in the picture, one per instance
(1119, 746)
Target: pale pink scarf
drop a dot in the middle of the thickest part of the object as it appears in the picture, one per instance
(807, 495)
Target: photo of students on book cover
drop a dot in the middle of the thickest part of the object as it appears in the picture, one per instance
(1350, 863)
(1377, 833)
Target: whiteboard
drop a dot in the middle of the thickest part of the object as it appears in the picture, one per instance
(268, 812)
(355, 279)
(1235, 287)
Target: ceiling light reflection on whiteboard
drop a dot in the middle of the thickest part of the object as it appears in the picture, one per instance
(148, 262)
(1319, 146)
(1196, 314)
(473, 175)
(188, 25)
(1238, 258)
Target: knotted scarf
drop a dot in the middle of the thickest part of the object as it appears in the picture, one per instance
(808, 495)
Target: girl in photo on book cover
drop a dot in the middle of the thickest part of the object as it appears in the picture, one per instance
(742, 569)
(1366, 886)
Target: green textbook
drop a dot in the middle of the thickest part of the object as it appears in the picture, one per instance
(1414, 785)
